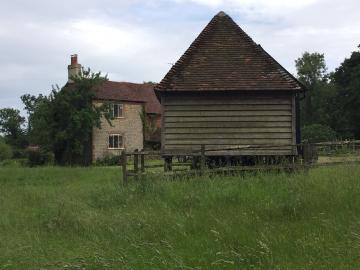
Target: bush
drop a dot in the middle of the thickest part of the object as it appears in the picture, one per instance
(5, 151)
(14, 163)
(318, 133)
(108, 161)
(38, 157)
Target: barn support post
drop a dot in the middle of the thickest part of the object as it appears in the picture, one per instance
(228, 161)
(308, 151)
(123, 163)
(136, 164)
(202, 159)
(168, 163)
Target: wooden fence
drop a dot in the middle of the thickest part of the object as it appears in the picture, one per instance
(197, 162)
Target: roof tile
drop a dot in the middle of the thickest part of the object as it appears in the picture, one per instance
(224, 57)
(134, 92)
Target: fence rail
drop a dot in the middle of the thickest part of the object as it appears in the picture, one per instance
(198, 162)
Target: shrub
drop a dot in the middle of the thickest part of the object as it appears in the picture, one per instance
(318, 133)
(14, 163)
(39, 157)
(5, 151)
(108, 161)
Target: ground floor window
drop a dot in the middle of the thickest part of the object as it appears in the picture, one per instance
(115, 141)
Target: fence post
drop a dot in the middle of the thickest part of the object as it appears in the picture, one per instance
(202, 159)
(124, 172)
(136, 164)
(142, 162)
(353, 147)
(308, 154)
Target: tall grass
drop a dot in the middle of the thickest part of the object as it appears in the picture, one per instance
(78, 218)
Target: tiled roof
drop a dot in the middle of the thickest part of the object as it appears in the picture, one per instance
(125, 91)
(224, 57)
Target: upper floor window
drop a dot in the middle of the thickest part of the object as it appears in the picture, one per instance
(117, 110)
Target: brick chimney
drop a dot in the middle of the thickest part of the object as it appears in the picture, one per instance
(74, 69)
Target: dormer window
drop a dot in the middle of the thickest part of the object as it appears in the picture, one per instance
(117, 110)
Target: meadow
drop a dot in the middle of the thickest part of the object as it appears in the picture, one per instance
(83, 218)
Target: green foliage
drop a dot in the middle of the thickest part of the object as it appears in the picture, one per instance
(347, 79)
(62, 122)
(14, 163)
(311, 68)
(110, 160)
(149, 126)
(311, 71)
(5, 151)
(82, 218)
(40, 157)
(150, 82)
(11, 123)
(318, 133)
(334, 103)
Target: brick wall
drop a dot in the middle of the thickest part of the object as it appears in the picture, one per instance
(130, 126)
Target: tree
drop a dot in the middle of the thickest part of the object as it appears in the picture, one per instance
(63, 121)
(318, 133)
(11, 123)
(311, 71)
(347, 79)
(5, 150)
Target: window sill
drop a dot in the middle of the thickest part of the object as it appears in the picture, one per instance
(121, 148)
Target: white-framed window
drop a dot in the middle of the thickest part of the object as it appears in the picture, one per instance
(117, 110)
(116, 141)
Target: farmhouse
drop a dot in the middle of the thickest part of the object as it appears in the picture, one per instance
(129, 101)
(227, 92)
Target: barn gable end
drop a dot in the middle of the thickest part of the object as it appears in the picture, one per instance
(227, 92)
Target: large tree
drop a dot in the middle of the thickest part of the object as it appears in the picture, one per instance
(11, 125)
(63, 121)
(347, 79)
(311, 71)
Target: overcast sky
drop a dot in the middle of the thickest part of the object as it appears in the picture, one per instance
(137, 41)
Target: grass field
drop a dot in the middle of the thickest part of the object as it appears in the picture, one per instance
(76, 218)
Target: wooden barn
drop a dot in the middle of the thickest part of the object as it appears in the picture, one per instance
(227, 92)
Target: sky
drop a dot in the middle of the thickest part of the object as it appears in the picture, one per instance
(136, 41)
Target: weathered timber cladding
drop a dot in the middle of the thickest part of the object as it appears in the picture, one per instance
(223, 120)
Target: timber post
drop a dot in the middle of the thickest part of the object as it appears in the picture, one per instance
(136, 164)
(168, 163)
(123, 163)
(228, 161)
(202, 159)
(307, 155)
(142, 162)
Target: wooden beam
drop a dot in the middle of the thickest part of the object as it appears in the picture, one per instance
(124, 171)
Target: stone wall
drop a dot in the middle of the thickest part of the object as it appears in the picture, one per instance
(129, 126)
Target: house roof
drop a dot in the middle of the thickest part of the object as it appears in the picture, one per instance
(224, 57)
(134, 92)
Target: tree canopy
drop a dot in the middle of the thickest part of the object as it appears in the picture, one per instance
(11, 125)
(332, 101)
(347, 79)
(63, 121)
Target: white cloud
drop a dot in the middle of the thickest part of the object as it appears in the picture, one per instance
(254, 8)
(136, 40)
